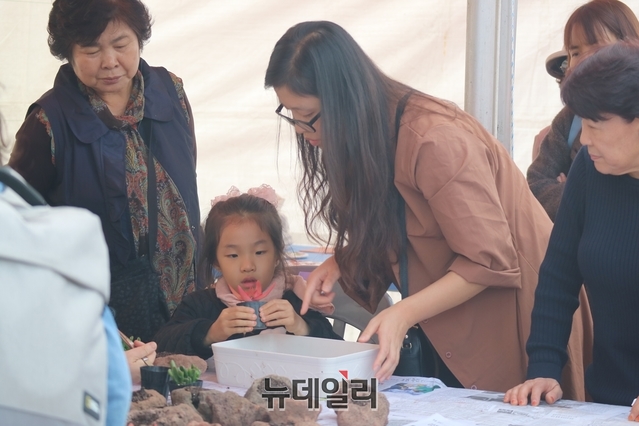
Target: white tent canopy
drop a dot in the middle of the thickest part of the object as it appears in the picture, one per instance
(221, 49)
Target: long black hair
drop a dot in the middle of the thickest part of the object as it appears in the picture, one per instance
(348, 184)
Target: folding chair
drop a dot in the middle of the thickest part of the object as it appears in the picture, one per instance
(348, 312)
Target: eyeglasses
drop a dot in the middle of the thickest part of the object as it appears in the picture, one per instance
(307, 126)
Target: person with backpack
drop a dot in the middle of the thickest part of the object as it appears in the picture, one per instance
(596, 23)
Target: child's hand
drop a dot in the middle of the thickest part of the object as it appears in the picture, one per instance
(238, 319)
(280, 312)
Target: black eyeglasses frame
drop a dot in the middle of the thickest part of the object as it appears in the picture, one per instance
(304, 125)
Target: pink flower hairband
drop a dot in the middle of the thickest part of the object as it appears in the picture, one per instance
(264, 191)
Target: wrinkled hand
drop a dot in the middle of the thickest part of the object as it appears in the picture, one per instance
(561, 178)
(319, 285)
(634, 412)
(280, 313)
(538, 388)
(134, 358)
(390, 326)
(237, 319)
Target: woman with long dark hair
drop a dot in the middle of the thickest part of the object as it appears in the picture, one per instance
(476, 234)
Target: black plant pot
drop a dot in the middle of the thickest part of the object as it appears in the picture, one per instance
(255, 305)
(157, 378)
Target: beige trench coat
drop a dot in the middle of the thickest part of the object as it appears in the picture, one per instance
(469, 210)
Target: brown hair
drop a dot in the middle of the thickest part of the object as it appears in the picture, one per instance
(598, 18)
(607, 82)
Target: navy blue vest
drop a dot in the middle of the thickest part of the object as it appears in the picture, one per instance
(89, 157)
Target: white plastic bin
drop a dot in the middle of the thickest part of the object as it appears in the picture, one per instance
(239, 362)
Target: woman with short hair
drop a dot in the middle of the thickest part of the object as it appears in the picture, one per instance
(595, 239)
(594, 24)
(87, 142)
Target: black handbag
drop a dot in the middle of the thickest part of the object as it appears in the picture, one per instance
(137, 302)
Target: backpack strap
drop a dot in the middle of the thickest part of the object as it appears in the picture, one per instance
(575, 127)
(13, 180)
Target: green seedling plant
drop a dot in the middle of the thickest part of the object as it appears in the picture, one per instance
(183, 376)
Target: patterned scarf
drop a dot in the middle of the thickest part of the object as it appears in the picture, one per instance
(174, 253)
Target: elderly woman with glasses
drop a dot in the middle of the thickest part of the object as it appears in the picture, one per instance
(475, 233)
(115, 136)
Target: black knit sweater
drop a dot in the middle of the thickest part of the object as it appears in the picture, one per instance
(185, 332)
(595, 241)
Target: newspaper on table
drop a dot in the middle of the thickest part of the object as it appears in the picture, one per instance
(426, 401)
(420, 401)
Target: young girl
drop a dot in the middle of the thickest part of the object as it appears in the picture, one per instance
(244, 241)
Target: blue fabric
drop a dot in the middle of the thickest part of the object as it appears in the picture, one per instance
(119, 379)
(575, 127)
(2, 187)
(90, 157)
(595, 241)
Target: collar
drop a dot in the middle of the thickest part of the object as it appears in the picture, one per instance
(275, 290)
(85, 122)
